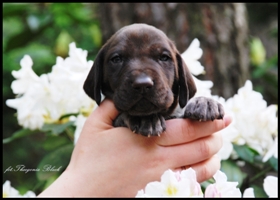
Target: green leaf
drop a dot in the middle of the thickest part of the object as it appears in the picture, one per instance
(233, 172)
(274, 163)
(205, 184)
(19, 134)
(25, 37)
(257, 52)
(96, 34)
(56, 128)
(15, 9)
(259, 191)
(245, 152)
(68, 115)
(53, 142)
(62, 44)
(49, 181)
(55, 162)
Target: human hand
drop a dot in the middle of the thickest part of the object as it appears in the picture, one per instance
(109, 161)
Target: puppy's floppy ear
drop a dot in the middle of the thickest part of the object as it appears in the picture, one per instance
(186, 83)
(93, 82)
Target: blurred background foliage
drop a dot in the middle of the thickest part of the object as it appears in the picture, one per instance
(44, 31)
(263, 30)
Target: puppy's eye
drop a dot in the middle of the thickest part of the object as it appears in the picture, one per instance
(116, 59)
(164, 57)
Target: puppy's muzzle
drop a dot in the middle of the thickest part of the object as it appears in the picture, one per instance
(142, 83)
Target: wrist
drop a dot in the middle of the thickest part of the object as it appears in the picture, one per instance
(69, 184)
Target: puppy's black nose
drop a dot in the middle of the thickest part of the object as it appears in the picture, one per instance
(142, 82)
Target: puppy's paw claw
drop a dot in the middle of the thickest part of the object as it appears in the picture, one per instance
(204, 109)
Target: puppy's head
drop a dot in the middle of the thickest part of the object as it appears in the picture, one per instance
(141, 70)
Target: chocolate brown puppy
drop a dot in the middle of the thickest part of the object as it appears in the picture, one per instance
(141, 70)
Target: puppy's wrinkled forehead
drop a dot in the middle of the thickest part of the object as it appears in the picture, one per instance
(140, 37)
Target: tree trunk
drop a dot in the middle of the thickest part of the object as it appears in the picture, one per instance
(220, 27)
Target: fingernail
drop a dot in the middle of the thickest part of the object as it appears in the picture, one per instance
(227, 120)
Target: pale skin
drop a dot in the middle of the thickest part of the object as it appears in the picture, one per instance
(115, 162)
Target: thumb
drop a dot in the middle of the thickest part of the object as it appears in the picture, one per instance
(227, 120)
(106, 112)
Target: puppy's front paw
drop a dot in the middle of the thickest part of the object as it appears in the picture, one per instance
(204, 109)
(152, 125)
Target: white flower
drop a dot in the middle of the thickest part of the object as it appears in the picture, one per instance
(173, 184)
(9, 191)
(46, 98)
(203, 87)
(25, 76)
(221, 187)
(190, 175)
(29, 113)
(141, 193)
(270, 186)
(29, 194)
(34, 107)
(191, 55)
(255, 122)
(67, 78)
(79, 123)
(228, 134)
(77, 60)
(273, 151)
(31, 105)
(268, 119)
(249, 193)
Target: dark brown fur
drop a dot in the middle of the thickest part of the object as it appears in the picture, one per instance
(141, 70)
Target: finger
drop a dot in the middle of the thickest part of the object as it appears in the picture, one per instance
(194, 152)
(206, 169)
(180, 131)
(106, 112)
